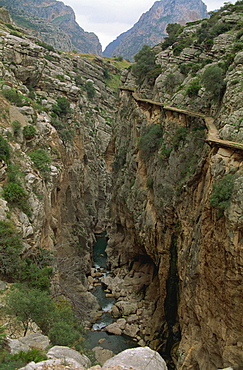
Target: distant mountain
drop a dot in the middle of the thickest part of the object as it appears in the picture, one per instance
(54, 23)
(151, 27)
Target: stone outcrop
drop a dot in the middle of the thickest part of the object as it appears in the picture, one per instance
(151, 27)
(60, 352)
(131, 359)
(137, 359)
(33, 340)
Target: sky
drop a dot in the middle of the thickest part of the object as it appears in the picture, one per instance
(109, 18)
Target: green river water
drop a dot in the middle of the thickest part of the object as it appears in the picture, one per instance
(115, 343)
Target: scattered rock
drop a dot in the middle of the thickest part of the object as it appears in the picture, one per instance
(139, 358)
(56, 364)
(101, 340)
(113, 329)
(61, 352)
(102, 354)
(15, 346)
(35, 340)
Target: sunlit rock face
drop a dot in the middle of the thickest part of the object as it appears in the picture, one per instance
(151, 26)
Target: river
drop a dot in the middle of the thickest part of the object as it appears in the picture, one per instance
(115, 343)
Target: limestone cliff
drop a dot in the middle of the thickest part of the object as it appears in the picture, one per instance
(151, 27)
(170, 166)
(56, 116)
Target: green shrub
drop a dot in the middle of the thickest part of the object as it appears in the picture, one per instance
(120, 160)
(4, 149)
(79, 80)
(35, 355)
(89, 87)
(239, 33)
(62, 107)
(150, 183)
(222, 192)
(14, 97)
(164, 152)
(184, 69)
(213, 80)
(46, 46)
(29, 132)
(65, 329)
(62, 334)
(10, 249)
(14, 194)
(50, 58)
(106, 72)
(179, 136)
(30, 305)
(65, 133)
(150, 140)
(16, 33)
(173, 30)
(238, 46)
(61, 78)
(144, 63)
(31, 93)
(193, 88)
(178, 49)
(16, 125)
(34, 276)
(170, 82)
(10, 26)
(41, 160)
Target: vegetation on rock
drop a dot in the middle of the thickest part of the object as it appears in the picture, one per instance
(145, 66)
(222, 192)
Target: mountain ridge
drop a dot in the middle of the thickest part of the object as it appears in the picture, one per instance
(53, 22)
(151, 26)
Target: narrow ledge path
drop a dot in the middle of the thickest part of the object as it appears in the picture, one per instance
(212, 136)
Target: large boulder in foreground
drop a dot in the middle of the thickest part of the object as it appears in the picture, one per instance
(61, 352)
(33, 340)
(137, 358)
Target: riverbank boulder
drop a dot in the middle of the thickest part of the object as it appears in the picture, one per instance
(102, 354)
(137, 358)
(33, 340)
(64, 353)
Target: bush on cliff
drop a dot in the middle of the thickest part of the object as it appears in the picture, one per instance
(62, 107)
(10, 249)
(15, 195)
(150, 141)
(4, 149)
(41, 160)
(213, 80)
(145, 64)
(222, 192)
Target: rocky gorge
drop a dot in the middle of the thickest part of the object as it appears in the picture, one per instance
(142, 166)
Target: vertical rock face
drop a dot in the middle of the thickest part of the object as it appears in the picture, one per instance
(163, 210)
(151, 27)
(67, 194)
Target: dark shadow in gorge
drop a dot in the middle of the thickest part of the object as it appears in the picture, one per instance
(172, 330)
